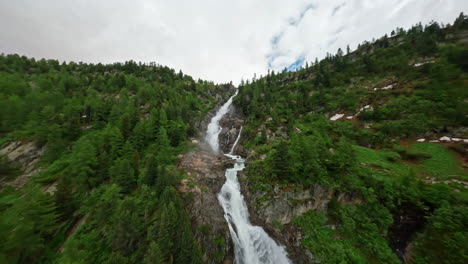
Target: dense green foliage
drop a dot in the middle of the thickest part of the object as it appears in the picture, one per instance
(112, 133)
(372, 156)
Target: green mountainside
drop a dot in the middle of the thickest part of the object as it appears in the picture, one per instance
(112, 134)
(386, 123)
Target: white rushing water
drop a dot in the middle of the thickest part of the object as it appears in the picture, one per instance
(235, 142)
(252, 245)
(212, 133)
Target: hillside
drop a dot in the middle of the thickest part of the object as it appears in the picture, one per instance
(88, 171)
(368, 148)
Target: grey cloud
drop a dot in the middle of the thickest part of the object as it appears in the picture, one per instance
(296, 20)
(337, 8)
(214, 40)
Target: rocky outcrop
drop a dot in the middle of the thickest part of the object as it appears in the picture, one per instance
(408, 219)
(26, 156)
(282, 205)
(231, 124)
(205, 177)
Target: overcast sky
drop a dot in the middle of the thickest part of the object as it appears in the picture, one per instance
(215, 40)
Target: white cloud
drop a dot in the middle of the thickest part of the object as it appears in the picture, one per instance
(210, 39)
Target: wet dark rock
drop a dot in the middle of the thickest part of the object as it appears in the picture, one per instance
(231, 124)
(408, 219)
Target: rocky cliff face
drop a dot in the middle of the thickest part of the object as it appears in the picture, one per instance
(26, 156)
(283, 205)
(231, 124)
(408, 219)
(205, 173)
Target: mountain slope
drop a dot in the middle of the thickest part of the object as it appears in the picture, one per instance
(108, 136)
(363, 154)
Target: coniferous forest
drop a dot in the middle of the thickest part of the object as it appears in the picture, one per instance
(110, 135)
(89, 154)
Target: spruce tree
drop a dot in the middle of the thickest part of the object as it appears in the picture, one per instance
(280, 159)
(167, 240)
(150, 175)
(64, 198)
(122, 174)
(154, 254)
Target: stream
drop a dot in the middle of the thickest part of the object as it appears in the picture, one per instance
(252, 244)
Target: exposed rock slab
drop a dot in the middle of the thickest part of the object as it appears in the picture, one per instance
(283, 206)
(200, 189)
(231, 124)
(26, 155)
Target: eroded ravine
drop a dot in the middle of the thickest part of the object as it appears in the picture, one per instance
(252, 244)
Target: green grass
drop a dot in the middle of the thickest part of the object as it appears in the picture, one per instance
(442, 164)
(278, 225)
(379, 160)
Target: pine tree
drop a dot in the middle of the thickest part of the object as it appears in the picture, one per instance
(167, 238)
(135, 159)
(103, 202)
(117, 258)
(163, 145)
(141, 134)
(280, 159)
(83, 164)
(104, 163)
(127, 150)
(113, 141)
(154, 254)
(126, 226)
(150, 175)
(177, 132)
(125, 125)
(122, 174)
(162, 118)
(29, 220)
(189, 252)
(64, 198)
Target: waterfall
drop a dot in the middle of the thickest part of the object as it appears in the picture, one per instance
(235, 142)
(252, 245)
(212, 133)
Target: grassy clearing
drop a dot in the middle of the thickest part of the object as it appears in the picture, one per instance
(380, 160)
(442, 164)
